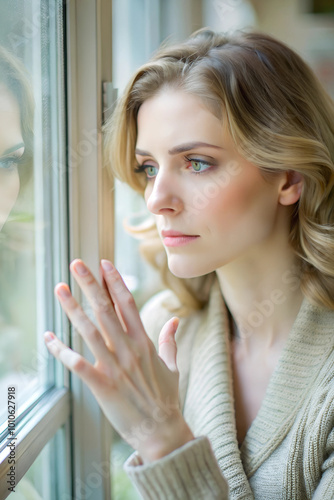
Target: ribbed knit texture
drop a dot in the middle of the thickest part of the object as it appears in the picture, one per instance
(292, 436)
(181, 475)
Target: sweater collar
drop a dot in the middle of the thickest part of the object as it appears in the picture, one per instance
(209, 405)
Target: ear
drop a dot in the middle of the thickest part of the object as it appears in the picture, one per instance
(290, 188)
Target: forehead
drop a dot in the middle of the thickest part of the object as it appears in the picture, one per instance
(10, 120)
(173, 114)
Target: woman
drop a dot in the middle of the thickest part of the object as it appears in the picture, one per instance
(231, 141)
(16, 129)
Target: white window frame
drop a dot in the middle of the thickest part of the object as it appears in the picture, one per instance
(91, 216)
(48, 408)
(70, 403)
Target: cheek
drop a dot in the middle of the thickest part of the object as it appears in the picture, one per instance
(248, 205)
(147, 194)
(9, 189)
(234, 199)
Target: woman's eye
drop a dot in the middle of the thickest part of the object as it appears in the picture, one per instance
(199, 166)
(149, 170)
(9, 163)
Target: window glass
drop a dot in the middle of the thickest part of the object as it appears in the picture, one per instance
(122, 488)
(32, 191)
(40, 481)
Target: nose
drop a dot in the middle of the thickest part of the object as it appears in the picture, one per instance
(163, 194)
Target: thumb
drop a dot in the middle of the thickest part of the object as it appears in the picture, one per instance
(167, 344)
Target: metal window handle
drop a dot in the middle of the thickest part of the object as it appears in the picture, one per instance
(109, 98)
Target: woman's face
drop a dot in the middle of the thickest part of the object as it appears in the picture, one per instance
(199, 185)
(11, 149)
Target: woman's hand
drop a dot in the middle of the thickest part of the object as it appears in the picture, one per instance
(136, 388)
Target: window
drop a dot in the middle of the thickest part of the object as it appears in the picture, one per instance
(47, 222)
(33, 237)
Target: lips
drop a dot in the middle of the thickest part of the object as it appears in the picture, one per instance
(177, 239)
(166, 234)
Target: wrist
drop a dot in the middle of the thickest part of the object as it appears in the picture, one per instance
(174, 437)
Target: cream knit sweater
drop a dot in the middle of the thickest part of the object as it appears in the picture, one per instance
(288, 452)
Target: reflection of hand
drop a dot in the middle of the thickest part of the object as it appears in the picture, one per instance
(136, 388)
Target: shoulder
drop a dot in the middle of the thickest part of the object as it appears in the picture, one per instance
(154, 313)
(159, 309)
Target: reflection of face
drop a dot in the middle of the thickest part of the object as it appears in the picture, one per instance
(228, 205)
(11, 150)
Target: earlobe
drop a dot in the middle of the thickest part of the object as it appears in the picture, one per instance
(291, 188)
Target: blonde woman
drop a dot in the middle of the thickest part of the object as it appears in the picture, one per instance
(230, 139)
(16, 130)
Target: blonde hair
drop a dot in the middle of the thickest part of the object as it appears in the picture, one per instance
(278, 114)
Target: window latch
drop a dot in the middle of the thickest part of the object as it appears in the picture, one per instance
(109, 98)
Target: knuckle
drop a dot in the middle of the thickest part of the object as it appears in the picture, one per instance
(129, 300)
(91, 334)
(102, 308)
(101, 303)
(116, 277)
(75, 310)
(79, 365)
(118, 283)
(89, 279)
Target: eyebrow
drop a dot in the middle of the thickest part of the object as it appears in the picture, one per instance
(181, 149)
(13, 148)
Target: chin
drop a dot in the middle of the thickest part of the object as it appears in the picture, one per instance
(185, 270)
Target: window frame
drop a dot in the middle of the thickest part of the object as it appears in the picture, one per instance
(48, 408)
(70, 403)
(90, 211)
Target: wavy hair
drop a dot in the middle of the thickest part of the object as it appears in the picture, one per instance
(280, 118)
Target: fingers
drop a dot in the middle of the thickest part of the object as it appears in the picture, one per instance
(105, 288)
(82, 323)
(103, 308)
(71, 359)
(123, 299)
(167, 344)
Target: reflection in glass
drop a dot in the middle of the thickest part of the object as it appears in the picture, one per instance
(16, 136)
(32, 187)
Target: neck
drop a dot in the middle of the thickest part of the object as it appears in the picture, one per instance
(262, 293)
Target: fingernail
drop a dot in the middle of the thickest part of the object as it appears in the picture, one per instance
(80, 268)
(49, 336)
(63, 292)
(176, 322)
(107, 266)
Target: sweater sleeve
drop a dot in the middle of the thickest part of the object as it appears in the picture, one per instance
(190, 472)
